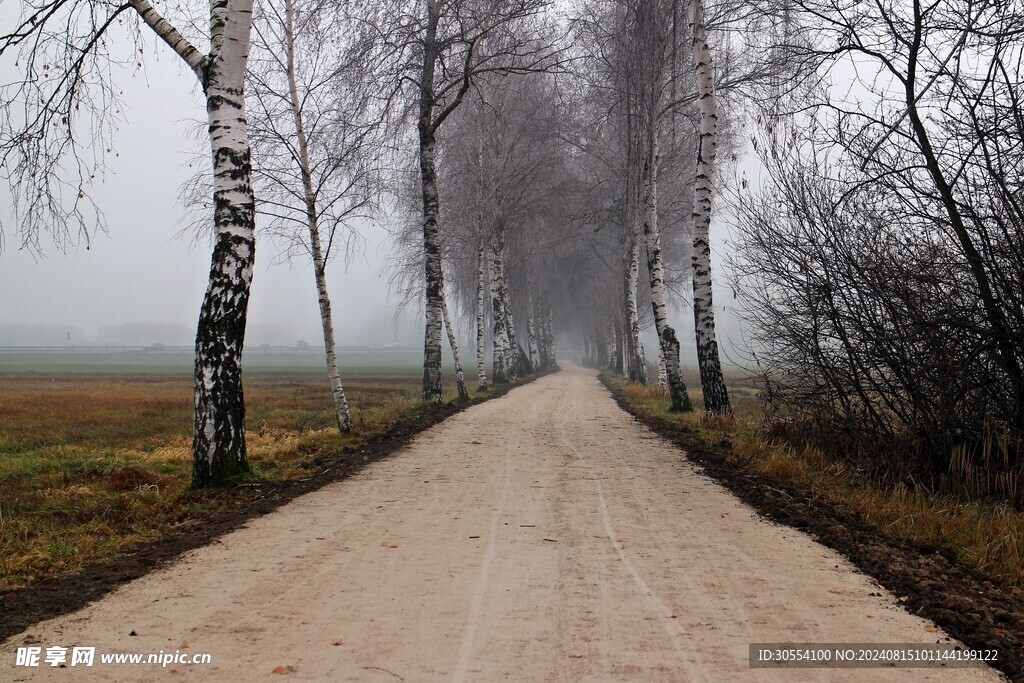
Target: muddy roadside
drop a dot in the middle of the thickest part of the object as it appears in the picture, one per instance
(979, 612)
(52, 597)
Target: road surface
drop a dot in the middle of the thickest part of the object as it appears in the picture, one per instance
(541, 536)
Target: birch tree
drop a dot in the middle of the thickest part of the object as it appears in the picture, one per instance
(716, 396)
(433, 51)
(648, 57)
(64, 56)
(317, 144)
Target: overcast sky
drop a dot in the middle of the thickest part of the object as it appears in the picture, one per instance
(143, 271)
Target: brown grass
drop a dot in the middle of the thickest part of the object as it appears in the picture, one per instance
(92, 464)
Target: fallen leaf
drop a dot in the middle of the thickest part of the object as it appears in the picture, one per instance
(280, 670)
(392, 546)
(931, 629)
(835, 591)
(295, 611)
(339, 641)
(184, 645)
(256, 569)
(903, 598)
(576, 655)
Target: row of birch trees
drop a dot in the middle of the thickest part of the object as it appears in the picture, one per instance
(545, 165)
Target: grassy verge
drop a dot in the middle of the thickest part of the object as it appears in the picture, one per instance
(92, 465)
(985, 536)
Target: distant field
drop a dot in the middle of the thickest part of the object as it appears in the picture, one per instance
(138, 362)
(98, 459)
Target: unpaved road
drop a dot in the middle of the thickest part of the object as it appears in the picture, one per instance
(540, 536)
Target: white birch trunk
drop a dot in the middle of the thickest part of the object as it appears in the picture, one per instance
(636, 363)
(655, 269)
(550, 335)
(341, 412)
(219, 428)
(716, 396)
(499, 360)
(481, 369)
(460, 377)
(433, 293)
(514, 360)
(531, 331)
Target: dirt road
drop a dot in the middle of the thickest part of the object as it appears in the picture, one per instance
(541, 536)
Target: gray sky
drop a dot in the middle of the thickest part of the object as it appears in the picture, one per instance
(143, 271)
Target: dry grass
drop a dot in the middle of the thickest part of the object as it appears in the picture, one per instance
(92, 464)
(985, 535)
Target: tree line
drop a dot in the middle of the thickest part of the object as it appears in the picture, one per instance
(555, 171)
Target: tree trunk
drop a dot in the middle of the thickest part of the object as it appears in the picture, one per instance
(460, 377)
(431, 209)
(531, 331)
(636, 362)
(516, 366)
(481, 370)
(432, 273)
(655, 269)
(550, 336)
(499, 361)
(218, 445)
(716, 396)
(341, 412)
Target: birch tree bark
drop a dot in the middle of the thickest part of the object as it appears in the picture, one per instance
(341, 411)
(637, 363)
(655, 269)
(514, 361)
(219, 428)
(550, 336)
(460, 377)
(716, 396)
(500, 353)
(531, 332)
(427, 130)
(481, 370)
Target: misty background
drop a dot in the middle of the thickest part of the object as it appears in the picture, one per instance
(142, 282)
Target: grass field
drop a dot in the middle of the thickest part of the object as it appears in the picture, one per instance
(985, 535)
(94, 461)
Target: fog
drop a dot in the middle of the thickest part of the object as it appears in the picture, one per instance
(146, 277)
(142, 281)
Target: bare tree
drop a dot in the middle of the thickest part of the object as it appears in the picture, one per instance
(432, 52)
(63, 51)
(316, 142)
(881, 263)
(716, 396)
